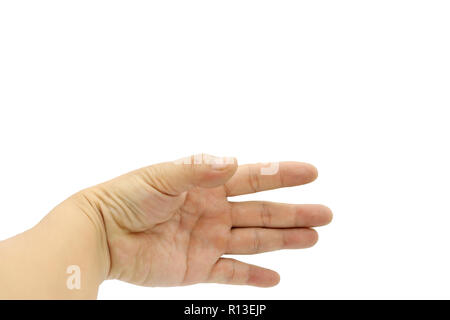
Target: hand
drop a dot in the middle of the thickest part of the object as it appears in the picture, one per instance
(169, 224)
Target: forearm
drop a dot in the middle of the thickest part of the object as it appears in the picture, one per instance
(34, 264)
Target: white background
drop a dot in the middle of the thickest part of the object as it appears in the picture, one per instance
(92, 89)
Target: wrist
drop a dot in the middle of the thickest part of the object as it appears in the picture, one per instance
(74, 238)
(67, 247)
(83, 209)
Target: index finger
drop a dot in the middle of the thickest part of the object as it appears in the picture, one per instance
(251, 178)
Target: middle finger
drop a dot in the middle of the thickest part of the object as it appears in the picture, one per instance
(278, 215)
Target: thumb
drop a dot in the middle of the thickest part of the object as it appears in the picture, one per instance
(202, 170)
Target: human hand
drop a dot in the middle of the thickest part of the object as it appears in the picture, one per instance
(169, 224)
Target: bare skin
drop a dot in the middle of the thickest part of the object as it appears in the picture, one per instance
(168, 225)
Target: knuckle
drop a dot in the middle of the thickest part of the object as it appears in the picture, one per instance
(254, 179)
(256, 241)
(231, 271)
(266, 215)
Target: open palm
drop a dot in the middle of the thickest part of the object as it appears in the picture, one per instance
(171, 223)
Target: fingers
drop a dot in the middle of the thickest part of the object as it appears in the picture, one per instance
(231, 271)
(173, 178)
(258, 240)
(257, 177)
(278, 215)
